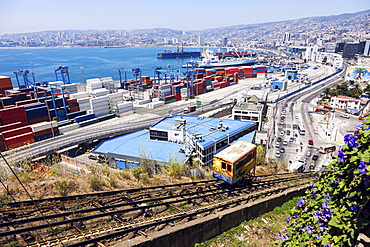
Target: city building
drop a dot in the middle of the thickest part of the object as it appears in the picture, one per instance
(250, 111)
(350, 50)
(286, 38)
(345, 102)
(176, 138)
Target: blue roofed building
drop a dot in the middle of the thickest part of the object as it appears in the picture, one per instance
(177, 138)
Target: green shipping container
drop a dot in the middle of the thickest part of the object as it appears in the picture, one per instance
(106, 117)
(170, 101)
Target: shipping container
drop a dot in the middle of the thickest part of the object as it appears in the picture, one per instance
(19, 138)
(84, 117)
(16, 132)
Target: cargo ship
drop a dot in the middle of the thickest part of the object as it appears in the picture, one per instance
(210, 60)
(178, 54)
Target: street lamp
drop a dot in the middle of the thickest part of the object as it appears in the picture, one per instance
(83, 76)
(33, 73)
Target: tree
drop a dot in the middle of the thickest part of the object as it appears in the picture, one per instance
(336, 207)
(355, 92)
(367, 89)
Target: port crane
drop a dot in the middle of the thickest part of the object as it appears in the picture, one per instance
(63, 71)
(27, 82)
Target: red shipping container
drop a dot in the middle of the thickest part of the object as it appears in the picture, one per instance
(10, 126)
(20, 144)
(39, 120)
(19, 138)
(16, 132)
(26, 102)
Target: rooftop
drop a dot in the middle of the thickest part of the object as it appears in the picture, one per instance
(249, 106)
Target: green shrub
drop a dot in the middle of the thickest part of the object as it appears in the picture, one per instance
(336, 207)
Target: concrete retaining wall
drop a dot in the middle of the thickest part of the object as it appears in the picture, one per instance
(203, 229)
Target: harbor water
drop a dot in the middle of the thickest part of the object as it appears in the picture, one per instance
(87, 63)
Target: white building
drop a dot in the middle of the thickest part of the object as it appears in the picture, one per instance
(345, 102)
(249, 111)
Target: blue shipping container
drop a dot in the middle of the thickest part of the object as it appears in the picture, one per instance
(37, 112)
(26, 107)
(84, 117)
(88, 122)
(75, 114)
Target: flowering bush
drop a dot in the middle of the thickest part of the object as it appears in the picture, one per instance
(336, 205)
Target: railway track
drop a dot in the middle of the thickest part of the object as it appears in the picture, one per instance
(103, 218)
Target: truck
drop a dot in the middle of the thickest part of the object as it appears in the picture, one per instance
(190, 108)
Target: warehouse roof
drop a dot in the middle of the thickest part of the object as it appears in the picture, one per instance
(139, 145)
(209, 128)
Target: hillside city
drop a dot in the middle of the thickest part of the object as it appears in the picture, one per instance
(203, 159)
(324, 30)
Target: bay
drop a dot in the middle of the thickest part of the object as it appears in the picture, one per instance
(96, 62)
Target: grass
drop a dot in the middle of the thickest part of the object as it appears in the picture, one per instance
(260, 231)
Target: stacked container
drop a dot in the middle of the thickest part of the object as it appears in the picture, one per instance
(261, 69)
(72, 105)
(84, 103)
(165, 90)
(108, 83)
(70, 89)
(5, 84)
(36, 113)
(177, 92)
(99, 106)
(93, 84)
(75, 114)
(79, 95)
(125, 107)
(18, 137)
(169, 99)
(13, 115)
(68, 127)
(99, 92)
(45, 130)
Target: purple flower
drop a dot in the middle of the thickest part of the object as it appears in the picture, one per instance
(341, 155)
(316, 215)
(358, 127)
(353, 207)
(323, 228)
(318, 237)
(368, 128)
(317, 178)
(309, 229)
(295, 216)
(335, 181)
(328, 245)
(324, 205)
(279, 234)
(288, 220)
(284, 238)
(362, 168)
(328, 196)
(313, 185)
(301, 202)
(351, 141)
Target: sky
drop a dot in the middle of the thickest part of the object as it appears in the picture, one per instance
(22, 16)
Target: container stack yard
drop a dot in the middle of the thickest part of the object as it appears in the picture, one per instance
(36, 113)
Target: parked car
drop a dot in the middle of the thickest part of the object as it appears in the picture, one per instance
(285, 142)
(288, 132)
(310, 142)
(345, 115)
(282, 150)
(277, 145)
(308, 153)
(295, 126)
(362, 116)
(315, 157)
(282, 133)
(279, 139)
(277, 154)
(291, 139)
(296, 116)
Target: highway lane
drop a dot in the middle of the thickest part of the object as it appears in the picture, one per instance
(299, 114)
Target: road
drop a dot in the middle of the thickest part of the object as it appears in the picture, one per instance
(298, 111)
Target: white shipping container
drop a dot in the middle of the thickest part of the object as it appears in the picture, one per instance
(69, 127)
(126, 109)
(127, 113)
(101, 113)
(124, 105)
(100, 108)
(79, 95)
